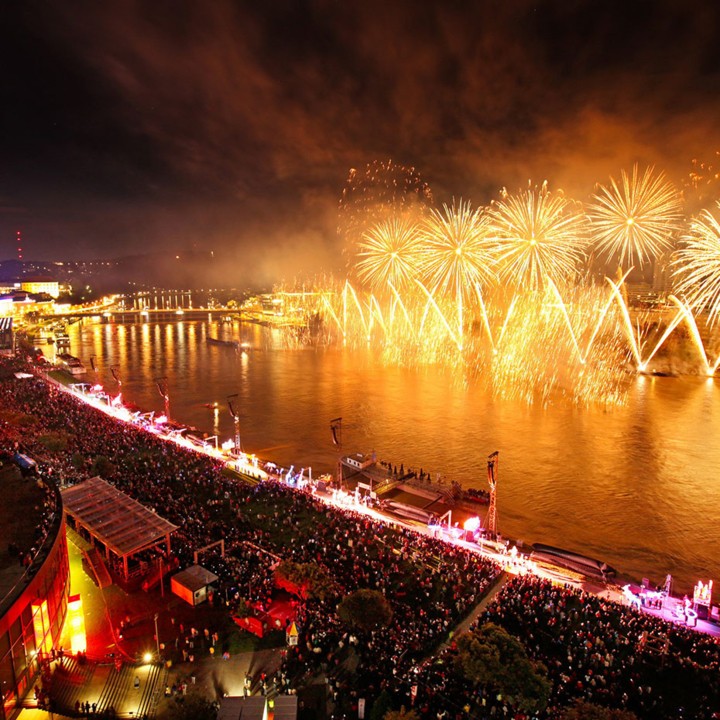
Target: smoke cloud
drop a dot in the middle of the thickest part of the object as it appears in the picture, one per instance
(231, 126)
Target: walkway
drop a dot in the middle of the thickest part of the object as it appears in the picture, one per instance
(478, 610)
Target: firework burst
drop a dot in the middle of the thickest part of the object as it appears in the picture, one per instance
(697, 265)
(635, 220)
(375, 193)
(457, 253)
(540, 236)
(457, 250)
(389, 253)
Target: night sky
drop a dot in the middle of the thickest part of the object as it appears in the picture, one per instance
(165, 125)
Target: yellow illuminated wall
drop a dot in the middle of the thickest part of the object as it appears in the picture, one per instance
(76, 623)
(41, 625)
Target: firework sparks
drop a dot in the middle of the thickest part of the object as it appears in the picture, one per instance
(697, 265)
(547, 331)
(636, 219)
(457, 253)
(373, 194)
(389, 253)
(702, 184)
(540, 236)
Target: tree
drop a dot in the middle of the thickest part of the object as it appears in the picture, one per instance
(102, 466)
(77, 460)
(365, 610)
(306, 579)
(381, 706)
(401, 714)
(582, 710)
(490, 656)
(54, 441)
(194, 706)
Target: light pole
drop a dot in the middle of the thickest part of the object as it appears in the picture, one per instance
(336, 430)
(236, 422)
(157, 637)
(162, 386)
(491, 518)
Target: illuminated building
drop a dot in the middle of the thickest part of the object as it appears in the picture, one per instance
(33, 609)
(38, 284)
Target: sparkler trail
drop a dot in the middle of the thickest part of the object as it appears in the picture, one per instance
(433, 303)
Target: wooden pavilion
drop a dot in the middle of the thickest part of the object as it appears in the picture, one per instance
(121, 524)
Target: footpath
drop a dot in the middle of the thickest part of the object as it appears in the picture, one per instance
(478, 610)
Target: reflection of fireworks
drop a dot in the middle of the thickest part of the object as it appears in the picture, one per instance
(457, 252)
(540, 237)
(636, 219)
(389, 253)
(551, 345)
(697, 265)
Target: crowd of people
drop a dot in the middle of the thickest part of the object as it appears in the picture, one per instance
(594, 650)
(591, 647)
(46, 504)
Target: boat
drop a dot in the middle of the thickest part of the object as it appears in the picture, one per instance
(227, 343)
(590, 567)
(62, 339)
(71, 364)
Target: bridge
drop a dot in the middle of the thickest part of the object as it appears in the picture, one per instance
(110, 314)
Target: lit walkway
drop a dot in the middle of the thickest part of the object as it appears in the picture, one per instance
(478, 610)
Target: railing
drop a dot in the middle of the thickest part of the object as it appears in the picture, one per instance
(53, 527)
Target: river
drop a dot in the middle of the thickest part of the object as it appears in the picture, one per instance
(636, 486)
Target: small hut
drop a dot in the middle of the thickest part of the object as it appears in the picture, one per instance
(193, 584)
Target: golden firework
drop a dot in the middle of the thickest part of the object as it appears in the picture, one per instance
(457, 253)
(696, 267)
(635, 220)
(540, 236)
(389, 253)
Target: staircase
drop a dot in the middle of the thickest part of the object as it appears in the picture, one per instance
(97, 565)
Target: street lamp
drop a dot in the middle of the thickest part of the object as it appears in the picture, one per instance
(236, 422)
(157, 637)
(162, 386)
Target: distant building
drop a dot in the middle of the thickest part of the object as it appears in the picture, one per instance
(7, 305)
(19, 303)
(40, 284)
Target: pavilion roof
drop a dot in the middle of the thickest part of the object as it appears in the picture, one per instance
(121, 523)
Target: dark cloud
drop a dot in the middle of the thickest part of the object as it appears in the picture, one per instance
(130, 124)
